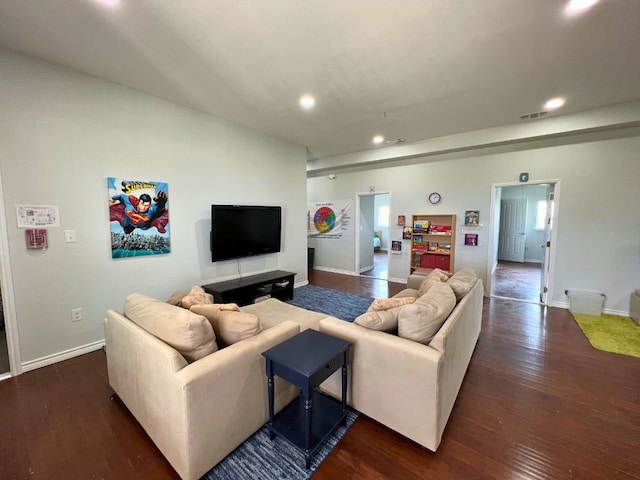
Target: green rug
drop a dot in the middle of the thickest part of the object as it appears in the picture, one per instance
(611, 333)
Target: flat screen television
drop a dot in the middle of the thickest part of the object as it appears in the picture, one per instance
(244, 230)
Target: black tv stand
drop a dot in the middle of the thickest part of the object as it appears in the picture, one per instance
(244, 290)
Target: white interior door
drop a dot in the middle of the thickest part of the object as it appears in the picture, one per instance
(513, 215)
(365, 261)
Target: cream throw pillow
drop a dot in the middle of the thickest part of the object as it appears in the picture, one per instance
(176, 297)
(383, 320)
(190, 334)
(230, 324)
(435, 276)
(462, 281)
(422, 320)
(380, 304)
(197, 296)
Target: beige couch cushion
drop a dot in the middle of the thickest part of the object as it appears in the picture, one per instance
(190, 334)
(422, 320)
(273, 312)
(230, 325)
(197, 296)
(462, 281)
(435, 276)
(407, 292)
(380, 304)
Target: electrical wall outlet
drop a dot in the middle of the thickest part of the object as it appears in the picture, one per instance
(76, 314)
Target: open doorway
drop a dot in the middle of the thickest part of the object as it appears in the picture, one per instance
(373, 256)
(523, 221)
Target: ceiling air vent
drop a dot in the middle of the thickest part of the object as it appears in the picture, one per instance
(396, 141)
(529, 116)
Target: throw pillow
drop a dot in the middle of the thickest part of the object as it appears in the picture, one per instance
(230, 326)
(383, 320)
(421, 320)
(176, 297)
(462, 282)
(380, 304)
(190, 334)
(197, 296)
(435, 276)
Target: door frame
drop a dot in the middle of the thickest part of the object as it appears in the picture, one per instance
(8, 297)
(357, 227)
(495, 217)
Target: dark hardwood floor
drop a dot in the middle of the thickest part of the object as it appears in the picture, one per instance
(538, 402)
(380, 266)
(517, 280)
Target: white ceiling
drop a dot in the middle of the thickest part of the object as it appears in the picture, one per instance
(436, 67)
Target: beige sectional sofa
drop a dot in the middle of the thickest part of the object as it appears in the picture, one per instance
(196, 413)
(200, 393)
(408, 386)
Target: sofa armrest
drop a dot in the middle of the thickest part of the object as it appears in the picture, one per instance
(415, 279)
(195, 413)
(225, 397)
(392, 380)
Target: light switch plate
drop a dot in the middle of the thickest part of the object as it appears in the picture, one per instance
(70, 236)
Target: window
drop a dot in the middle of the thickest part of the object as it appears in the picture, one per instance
(383, 216)
(541, 215)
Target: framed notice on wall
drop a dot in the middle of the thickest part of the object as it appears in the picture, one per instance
(30, 216)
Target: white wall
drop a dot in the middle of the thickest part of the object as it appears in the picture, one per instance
(598, 244)
(62, 134)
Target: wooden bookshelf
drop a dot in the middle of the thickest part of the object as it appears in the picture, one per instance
(433, 242)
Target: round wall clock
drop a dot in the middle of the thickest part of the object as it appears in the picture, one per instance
(434, 198)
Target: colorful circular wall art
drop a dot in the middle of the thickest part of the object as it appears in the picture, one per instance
(324, 219)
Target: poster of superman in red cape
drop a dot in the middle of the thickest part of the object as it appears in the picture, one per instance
(139, 217)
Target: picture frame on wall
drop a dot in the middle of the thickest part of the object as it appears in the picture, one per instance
(471, 239)
(406, 233)
(396, 246)
(139, 217)
(472, 218)
(402, 220)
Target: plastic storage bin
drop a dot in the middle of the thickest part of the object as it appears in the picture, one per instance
(588, 303)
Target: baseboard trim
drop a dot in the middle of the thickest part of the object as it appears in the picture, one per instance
(608, 311)
(397, 280)
(335, 270)
(61, 356)
(354, 274)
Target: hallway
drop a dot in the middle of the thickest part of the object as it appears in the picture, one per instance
(380, 266)
(520, 281)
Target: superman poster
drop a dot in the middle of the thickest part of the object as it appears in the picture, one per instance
(139, 217)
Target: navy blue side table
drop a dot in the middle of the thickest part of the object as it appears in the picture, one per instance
(307, 360)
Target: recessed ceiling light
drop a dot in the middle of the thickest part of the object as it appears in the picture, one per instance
(307, 102)
(554, 103)
(108, 3)
(576, 6)
(378, 139)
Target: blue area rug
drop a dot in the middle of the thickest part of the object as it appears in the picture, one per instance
(260, 458)
(345, 306)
